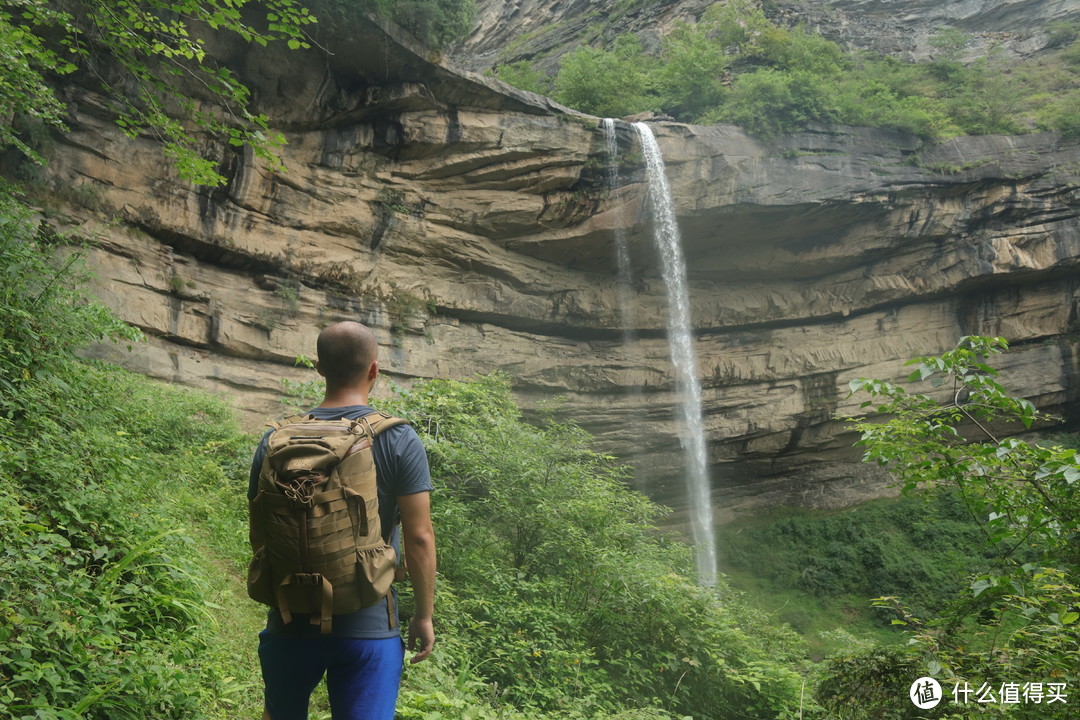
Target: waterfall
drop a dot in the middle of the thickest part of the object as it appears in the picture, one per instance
(625, 279)
(680, 340)
(627, 315)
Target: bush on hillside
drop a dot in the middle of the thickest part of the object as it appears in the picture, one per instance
(103, 598)
(556, 588)
(608, 83)
(523, 76)
(734, 65)
(693, 70)
(769, 102)
(919, 547)
(1019, 622)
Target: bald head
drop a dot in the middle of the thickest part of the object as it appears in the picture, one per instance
(346, 352)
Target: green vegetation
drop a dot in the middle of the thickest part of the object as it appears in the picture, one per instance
(157, 70)
(604, 81)
(816, 570)
(122, 517)
(736, 66)
(523, 75)
(557, 596)
(1018, 622)
(115, 531)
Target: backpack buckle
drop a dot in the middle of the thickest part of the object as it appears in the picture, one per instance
(312, 579)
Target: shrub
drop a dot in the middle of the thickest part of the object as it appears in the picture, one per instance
(737, 26)
(1019, 622)
(1062, 32)
(691, 78)
(870, 684)
(608, 83)
(103, 595)
(800, 50)
(769, 102)
(522, 75)
(921, 547)
(558, 590)
(1062, 113)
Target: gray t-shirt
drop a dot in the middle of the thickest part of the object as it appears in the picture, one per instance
(402, 468)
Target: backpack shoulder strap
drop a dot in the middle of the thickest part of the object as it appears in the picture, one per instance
(291, 420)
(375, 422)
(379, 421)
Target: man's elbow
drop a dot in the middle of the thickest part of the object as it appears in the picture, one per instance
(416, 522)
(420, 538)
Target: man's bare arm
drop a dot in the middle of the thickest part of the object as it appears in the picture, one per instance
(420, 557)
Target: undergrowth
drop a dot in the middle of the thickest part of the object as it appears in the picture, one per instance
(113, 520)
(818, 571)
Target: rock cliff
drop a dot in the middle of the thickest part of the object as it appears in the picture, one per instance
(468, 223)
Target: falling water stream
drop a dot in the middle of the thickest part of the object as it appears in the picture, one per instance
(680, 339)
(627, 315)
(625, 297)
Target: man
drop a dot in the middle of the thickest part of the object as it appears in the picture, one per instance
(361, 657)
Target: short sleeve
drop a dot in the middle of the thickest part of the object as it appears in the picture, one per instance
(256, 466)
(406, 460)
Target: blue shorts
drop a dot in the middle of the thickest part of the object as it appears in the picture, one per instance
(362, 675)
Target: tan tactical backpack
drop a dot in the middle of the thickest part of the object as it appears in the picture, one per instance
(315, 528)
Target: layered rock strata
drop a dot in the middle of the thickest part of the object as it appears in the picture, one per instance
(470, 226)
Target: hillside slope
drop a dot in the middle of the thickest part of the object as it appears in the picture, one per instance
(545, 30)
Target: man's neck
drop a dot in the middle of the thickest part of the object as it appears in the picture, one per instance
(345, 397)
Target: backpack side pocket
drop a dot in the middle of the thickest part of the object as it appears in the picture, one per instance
(260, 581)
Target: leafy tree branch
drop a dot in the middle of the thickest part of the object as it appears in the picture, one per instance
(1019, 622)
(141, 52)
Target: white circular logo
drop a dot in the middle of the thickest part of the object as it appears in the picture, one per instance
(925, 693)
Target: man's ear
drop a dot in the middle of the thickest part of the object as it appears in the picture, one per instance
(373, 371)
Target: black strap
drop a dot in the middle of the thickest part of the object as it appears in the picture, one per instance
(391, 616)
